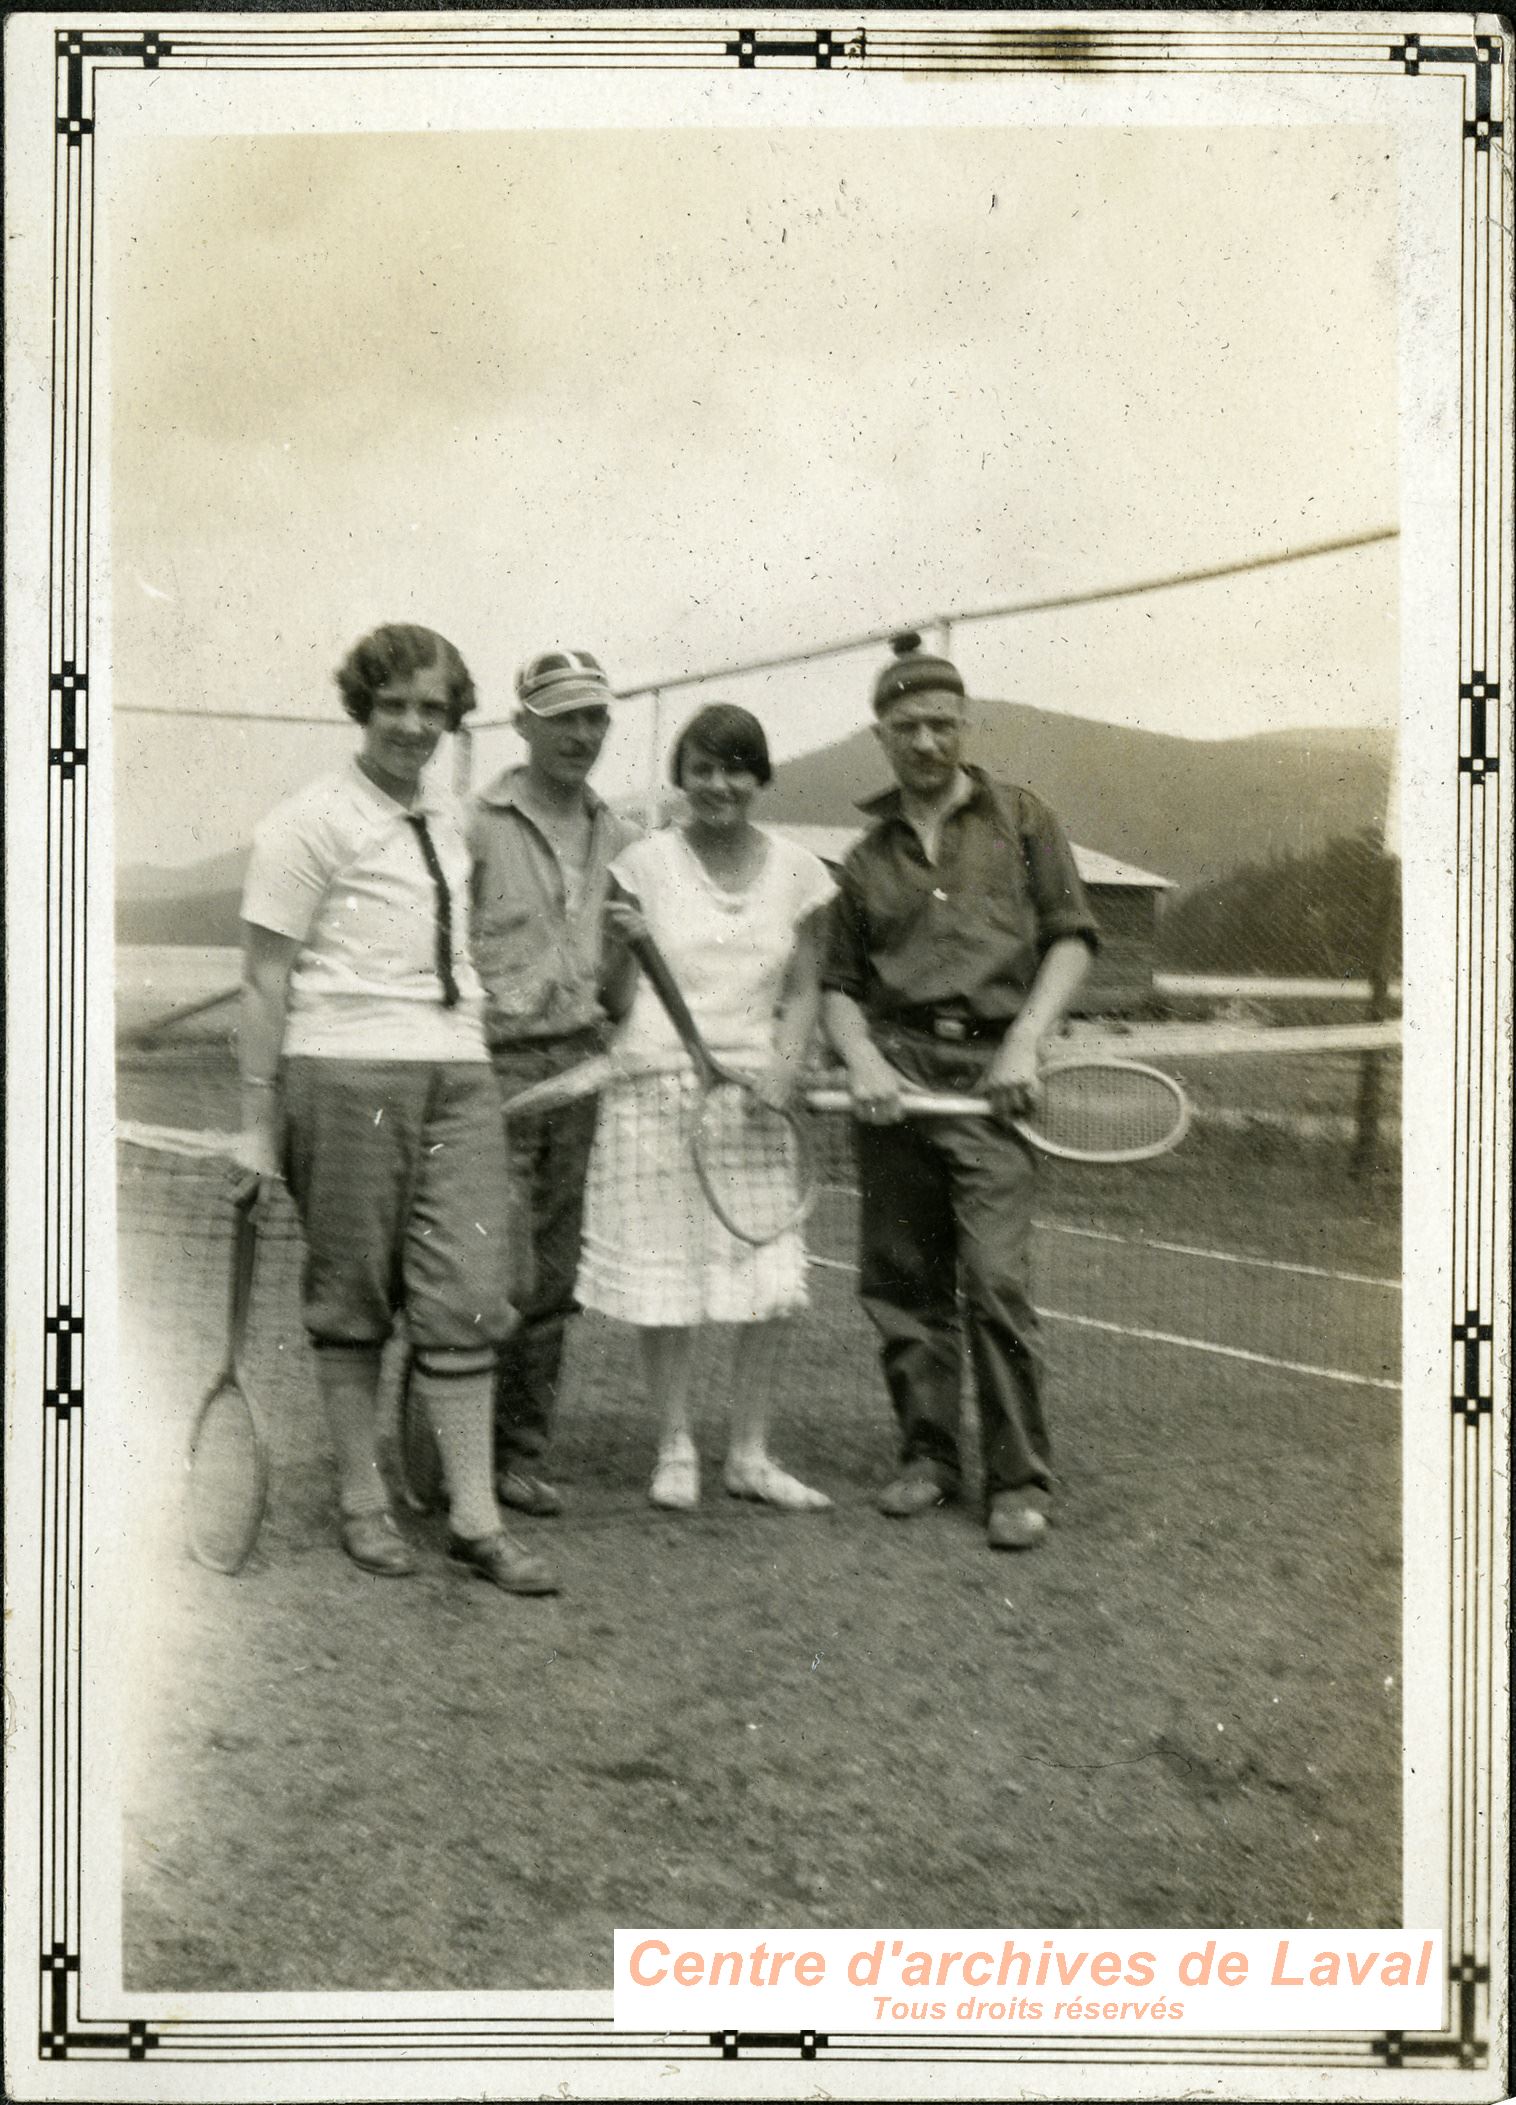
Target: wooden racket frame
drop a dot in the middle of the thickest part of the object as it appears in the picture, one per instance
(244, 1260)
(711, 1074)
(419, 1475)
(922, 1103)
(588, 1078)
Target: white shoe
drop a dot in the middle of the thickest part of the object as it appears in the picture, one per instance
(676, 1483)
(766, 1484)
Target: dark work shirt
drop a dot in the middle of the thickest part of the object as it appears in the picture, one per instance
(964, 935)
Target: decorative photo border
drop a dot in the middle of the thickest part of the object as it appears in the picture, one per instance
(73, 2027)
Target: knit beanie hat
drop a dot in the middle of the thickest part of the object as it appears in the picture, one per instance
(911, 670)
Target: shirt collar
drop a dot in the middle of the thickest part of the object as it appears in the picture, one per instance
(503, 794)
(431, 803)
(887, 803)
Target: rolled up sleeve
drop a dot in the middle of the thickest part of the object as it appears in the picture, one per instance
(844, 945)
(1063, 907)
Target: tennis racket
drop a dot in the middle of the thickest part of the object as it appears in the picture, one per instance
(227, 1462)
(754, 1163)
(588, 1078)
(1091, 1110)
(418, 1459)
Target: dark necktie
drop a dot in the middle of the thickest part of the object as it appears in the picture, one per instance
(444, 910)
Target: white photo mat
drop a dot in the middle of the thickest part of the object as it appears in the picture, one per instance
(1441, 86)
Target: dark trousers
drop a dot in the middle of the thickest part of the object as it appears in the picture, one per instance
(946, 1251)
(550, 1158)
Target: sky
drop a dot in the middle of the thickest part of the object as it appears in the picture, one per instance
(684, 396)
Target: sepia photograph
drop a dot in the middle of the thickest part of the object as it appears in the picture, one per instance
(767, 964)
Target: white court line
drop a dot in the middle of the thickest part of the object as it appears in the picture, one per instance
(1144, 1242)
(1169, 1337)
(1262, 1264)
(1255, 1359)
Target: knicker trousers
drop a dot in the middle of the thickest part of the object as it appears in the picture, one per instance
(399, 1173)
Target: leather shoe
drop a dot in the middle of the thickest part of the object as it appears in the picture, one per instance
(1015, 1523)
(914, 1493)
(528, 1494)
(375, 1544)
(496, 1558)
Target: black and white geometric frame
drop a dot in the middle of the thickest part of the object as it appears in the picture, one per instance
(75, 2023)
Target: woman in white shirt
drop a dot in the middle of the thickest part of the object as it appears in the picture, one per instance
(734, 909)
(367, 1086)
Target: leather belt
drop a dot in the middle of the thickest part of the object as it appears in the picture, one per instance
(593, 1034)
(952, 1028)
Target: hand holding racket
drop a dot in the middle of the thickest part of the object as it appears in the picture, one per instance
(749, 1153)
(227, 1461)
(1013, 1081)
(257, 1154)
(590, 1076)
(1088, 1110)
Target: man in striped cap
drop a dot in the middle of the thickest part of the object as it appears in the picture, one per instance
(543, 843)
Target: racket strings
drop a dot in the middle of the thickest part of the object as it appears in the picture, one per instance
(227, 1481)
(752, 1163)
(1108, 1110)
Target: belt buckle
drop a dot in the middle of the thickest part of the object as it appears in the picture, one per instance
(953, 1028)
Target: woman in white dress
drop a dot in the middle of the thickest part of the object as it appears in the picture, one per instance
(734, 908)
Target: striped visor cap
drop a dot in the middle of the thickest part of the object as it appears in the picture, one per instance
(562, 680)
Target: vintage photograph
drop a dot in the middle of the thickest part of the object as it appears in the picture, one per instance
(486, 430)
(756, 906)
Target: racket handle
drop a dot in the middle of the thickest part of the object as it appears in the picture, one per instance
(244, 1263)
(666, 987)
(912, 1102)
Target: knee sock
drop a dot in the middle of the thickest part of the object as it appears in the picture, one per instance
(348, 1379)
(459, 1408)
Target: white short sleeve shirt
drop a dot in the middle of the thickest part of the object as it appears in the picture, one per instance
(339, 867)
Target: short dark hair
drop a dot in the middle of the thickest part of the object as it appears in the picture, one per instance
(389, 653)
(731, 735)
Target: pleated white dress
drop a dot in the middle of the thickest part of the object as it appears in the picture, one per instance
(653, 1251)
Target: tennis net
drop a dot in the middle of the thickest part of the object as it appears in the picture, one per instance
(1245, 1270)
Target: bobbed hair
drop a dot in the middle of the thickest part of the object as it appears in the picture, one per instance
(731, 735)
(389, 653)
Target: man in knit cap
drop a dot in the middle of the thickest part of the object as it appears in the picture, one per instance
(543, 843)
(959, 937)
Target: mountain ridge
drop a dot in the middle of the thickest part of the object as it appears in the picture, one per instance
(1192, 810)
(1188, 809)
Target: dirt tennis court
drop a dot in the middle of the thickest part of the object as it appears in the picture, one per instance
(1184, 1710)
